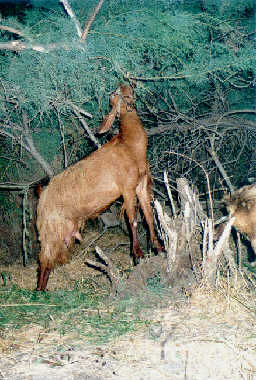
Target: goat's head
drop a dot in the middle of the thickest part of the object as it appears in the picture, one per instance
(242, 205)
(122, 100)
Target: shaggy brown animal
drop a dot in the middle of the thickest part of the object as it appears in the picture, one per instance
(84, 190)
(242, 205)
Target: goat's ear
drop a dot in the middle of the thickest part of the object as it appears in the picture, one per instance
(108, 121)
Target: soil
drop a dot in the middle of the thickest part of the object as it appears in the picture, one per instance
(195, 333)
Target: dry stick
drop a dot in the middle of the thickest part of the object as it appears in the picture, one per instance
(109, 268)
(169, 194)
(205, 240)
(91, 243)
(222, 246)
(29, 146)
(91, 19)
(219, 166)
(168, 235)
(63, 139)
(72, 16)
(35, 154)
(239, 253)
(210, 234)
(85, 126)
(163, 223)
(80, 110)
(24, 229)
(12, 30)
(219, 246)
(18, 45)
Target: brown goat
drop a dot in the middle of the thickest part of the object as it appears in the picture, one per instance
(84, 190)
(242, 205)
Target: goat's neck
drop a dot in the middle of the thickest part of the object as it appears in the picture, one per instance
(131, 129)
(133, 135)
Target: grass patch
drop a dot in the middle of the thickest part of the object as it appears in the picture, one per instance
(20, 306)
(77, 311)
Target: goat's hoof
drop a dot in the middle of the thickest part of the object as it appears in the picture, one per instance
(162, 254)
(138, 259)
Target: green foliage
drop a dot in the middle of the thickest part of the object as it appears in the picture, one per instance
(229, 8)
(188, 58)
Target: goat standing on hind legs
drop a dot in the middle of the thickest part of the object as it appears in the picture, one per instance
(84, 190)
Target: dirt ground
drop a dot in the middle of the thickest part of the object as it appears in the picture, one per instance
(194, 335)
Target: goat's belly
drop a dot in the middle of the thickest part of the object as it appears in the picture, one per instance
(94, 201)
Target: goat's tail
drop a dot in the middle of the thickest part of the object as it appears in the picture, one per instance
(38, 190)
(53, 251)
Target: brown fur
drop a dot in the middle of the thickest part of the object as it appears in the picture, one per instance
(87, 188)
(242, 205)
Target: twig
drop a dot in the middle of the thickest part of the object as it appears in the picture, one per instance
(80, 110)
(91, 19)
(220, 166)
(169, 194)
(205, 240)
(221, 220)
(32, 150)
(111, 270)
(63, 138)
(85, 126)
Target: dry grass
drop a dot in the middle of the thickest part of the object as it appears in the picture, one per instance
(64, 277)
(210, 334)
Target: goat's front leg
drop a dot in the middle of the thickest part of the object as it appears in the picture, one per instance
(130, 207)
(144, 195)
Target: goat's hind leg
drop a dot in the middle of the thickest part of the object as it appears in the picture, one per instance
(44, 273)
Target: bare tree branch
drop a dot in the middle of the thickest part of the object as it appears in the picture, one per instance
(77, 111)
(219, 165)
(33, 151)
(19, 46)
(91, 19)
(71, 14)
(12, 30)
(26, 141)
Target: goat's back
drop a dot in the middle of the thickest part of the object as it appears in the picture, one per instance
(89, 186)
